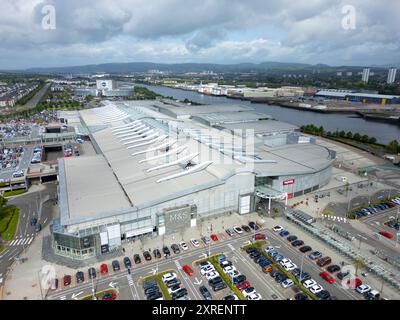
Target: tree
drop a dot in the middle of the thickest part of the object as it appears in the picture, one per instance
(349, 135)
(393, 146)
(365, 138)
(372, 140)
(342, 134)
(357, 137)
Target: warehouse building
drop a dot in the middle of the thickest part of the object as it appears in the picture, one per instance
(349, 95)
(159, 168)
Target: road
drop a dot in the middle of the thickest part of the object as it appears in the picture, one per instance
(30, 205)
(129, 285)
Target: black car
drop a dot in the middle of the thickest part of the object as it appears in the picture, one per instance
(305, 249)
(280, 277)
(238, 279)
(92, 273)
(175, 248)
(297, 243)
(295, 271)
(179, 294)
(333, 268)
(136, 258)
(301, 296)
(166, 251)
(274, 273)
(33, 221)
(214, 281)
(255, 254)
(115, 265)
(253, 225)
(219, 286)
(229, 297)
(147, 255)
(38, 227)
(246, 228)
(205, 293)
(127, 263)
(173, 282)
(250, 250)
(291, 238)
(154, 296)
(149, 284)
(342, 275)
(323, 295)
(258, 259)
(151, 290)
(156, 253)
(303, 276)
(80, 277)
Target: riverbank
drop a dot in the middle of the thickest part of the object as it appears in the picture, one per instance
(384, 132)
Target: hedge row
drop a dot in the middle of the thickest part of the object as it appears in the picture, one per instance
(161, 284)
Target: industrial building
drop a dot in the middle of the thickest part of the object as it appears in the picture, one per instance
(160, 167)
(105, 88)
(350, 95)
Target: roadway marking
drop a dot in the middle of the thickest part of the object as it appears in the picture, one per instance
(63, 298)
(132, 284)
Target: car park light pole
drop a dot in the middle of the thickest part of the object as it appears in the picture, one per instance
(301, 267)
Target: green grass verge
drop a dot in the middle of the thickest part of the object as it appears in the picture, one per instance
(1, 248)
(281, 269)
(100, 294)
(161, 284)
(9, 217)
(14, 193)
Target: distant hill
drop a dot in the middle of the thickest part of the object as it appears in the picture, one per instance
(115, 68)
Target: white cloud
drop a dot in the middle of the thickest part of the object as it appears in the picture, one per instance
(95, 31)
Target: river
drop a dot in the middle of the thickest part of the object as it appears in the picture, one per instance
(383, 132)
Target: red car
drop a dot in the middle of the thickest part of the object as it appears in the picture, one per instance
(214, 237)
(109, 296)
(103, 269)
(243, 285)
(354, 283)
(326, 276)
(386, 234)
(67, 280)
(188, 270)
(260, 236)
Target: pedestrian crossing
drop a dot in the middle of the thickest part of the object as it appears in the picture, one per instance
(63, 298)
(178, 265)
(130, 280)
(21, 241)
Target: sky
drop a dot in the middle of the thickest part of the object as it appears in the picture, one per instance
(80, 32)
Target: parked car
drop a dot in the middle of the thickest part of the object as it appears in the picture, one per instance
(33, 221)
(168, 276)
(327, 277)
(205, 293)
(246, 228)
(194, 242)
(109, 296)
(364, 288)
(333, 268)
(297, 243)
(291, 238)
(214, 237)
(206, 239)
(253, 225)
(166, 251)
(323, 295)
(354, 283)
(80, 277)
(183, 245)
(136, 258)
(38, 227)
(301, 296)
(127, 263)
(259, 236)
(175, 248)
(219, 286)
(92, 273)
(104, 269)
(315, 255)
(115, 265)
(277, 228)
(322, 262)
(67, 280)
(237, 229)
(305, 249)
(287, 283)
(284, 233)
(156, 253)
(243, 285)
(230, 232)
(147, 255)
(342, 275)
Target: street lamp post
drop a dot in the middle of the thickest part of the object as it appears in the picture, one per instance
(301, 267)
